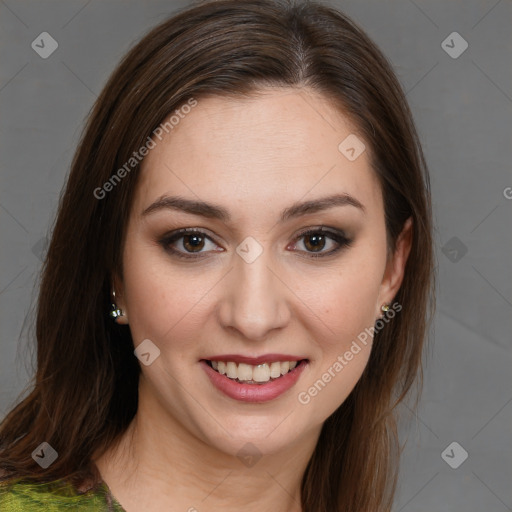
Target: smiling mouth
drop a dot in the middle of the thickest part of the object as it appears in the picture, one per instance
(254, 374)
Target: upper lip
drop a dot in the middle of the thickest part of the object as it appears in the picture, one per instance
(265, 358)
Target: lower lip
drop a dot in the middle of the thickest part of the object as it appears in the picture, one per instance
(254, 392)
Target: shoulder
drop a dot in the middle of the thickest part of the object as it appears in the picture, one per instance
(23, 496)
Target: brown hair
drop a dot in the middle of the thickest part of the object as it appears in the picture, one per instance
(85, 388)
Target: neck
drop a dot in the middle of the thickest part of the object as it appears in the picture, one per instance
(157, 466)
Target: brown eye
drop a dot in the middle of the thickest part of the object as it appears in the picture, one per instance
(193, 243)
(188, 243)
(314, 242)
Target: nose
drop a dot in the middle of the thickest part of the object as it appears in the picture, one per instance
(255, 299)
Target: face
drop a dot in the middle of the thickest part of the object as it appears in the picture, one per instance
(262, 287)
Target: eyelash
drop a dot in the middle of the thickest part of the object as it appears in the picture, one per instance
(338, 236)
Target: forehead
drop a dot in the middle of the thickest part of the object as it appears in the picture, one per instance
(274, 148)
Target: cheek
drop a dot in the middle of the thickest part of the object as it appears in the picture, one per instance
(344, 299)
(346, 316)
(340, 362)
(161, 298)
(170, 301)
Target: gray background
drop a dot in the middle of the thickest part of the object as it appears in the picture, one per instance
(463, 110)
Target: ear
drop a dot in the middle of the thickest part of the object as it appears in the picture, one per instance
(395, 266)
(118, 300)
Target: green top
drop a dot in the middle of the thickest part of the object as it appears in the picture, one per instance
(20, 496)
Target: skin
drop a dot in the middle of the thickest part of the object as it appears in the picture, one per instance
(254, 157)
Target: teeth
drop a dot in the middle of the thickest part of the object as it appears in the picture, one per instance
(275, 369)
(252, 374)
(261, 373)
(244, 372)
(231, 371)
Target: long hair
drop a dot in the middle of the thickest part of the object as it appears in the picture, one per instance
(84, 392)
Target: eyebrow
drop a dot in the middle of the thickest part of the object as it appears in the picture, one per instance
(214, 211)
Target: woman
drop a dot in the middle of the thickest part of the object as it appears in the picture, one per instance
(237, 289)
